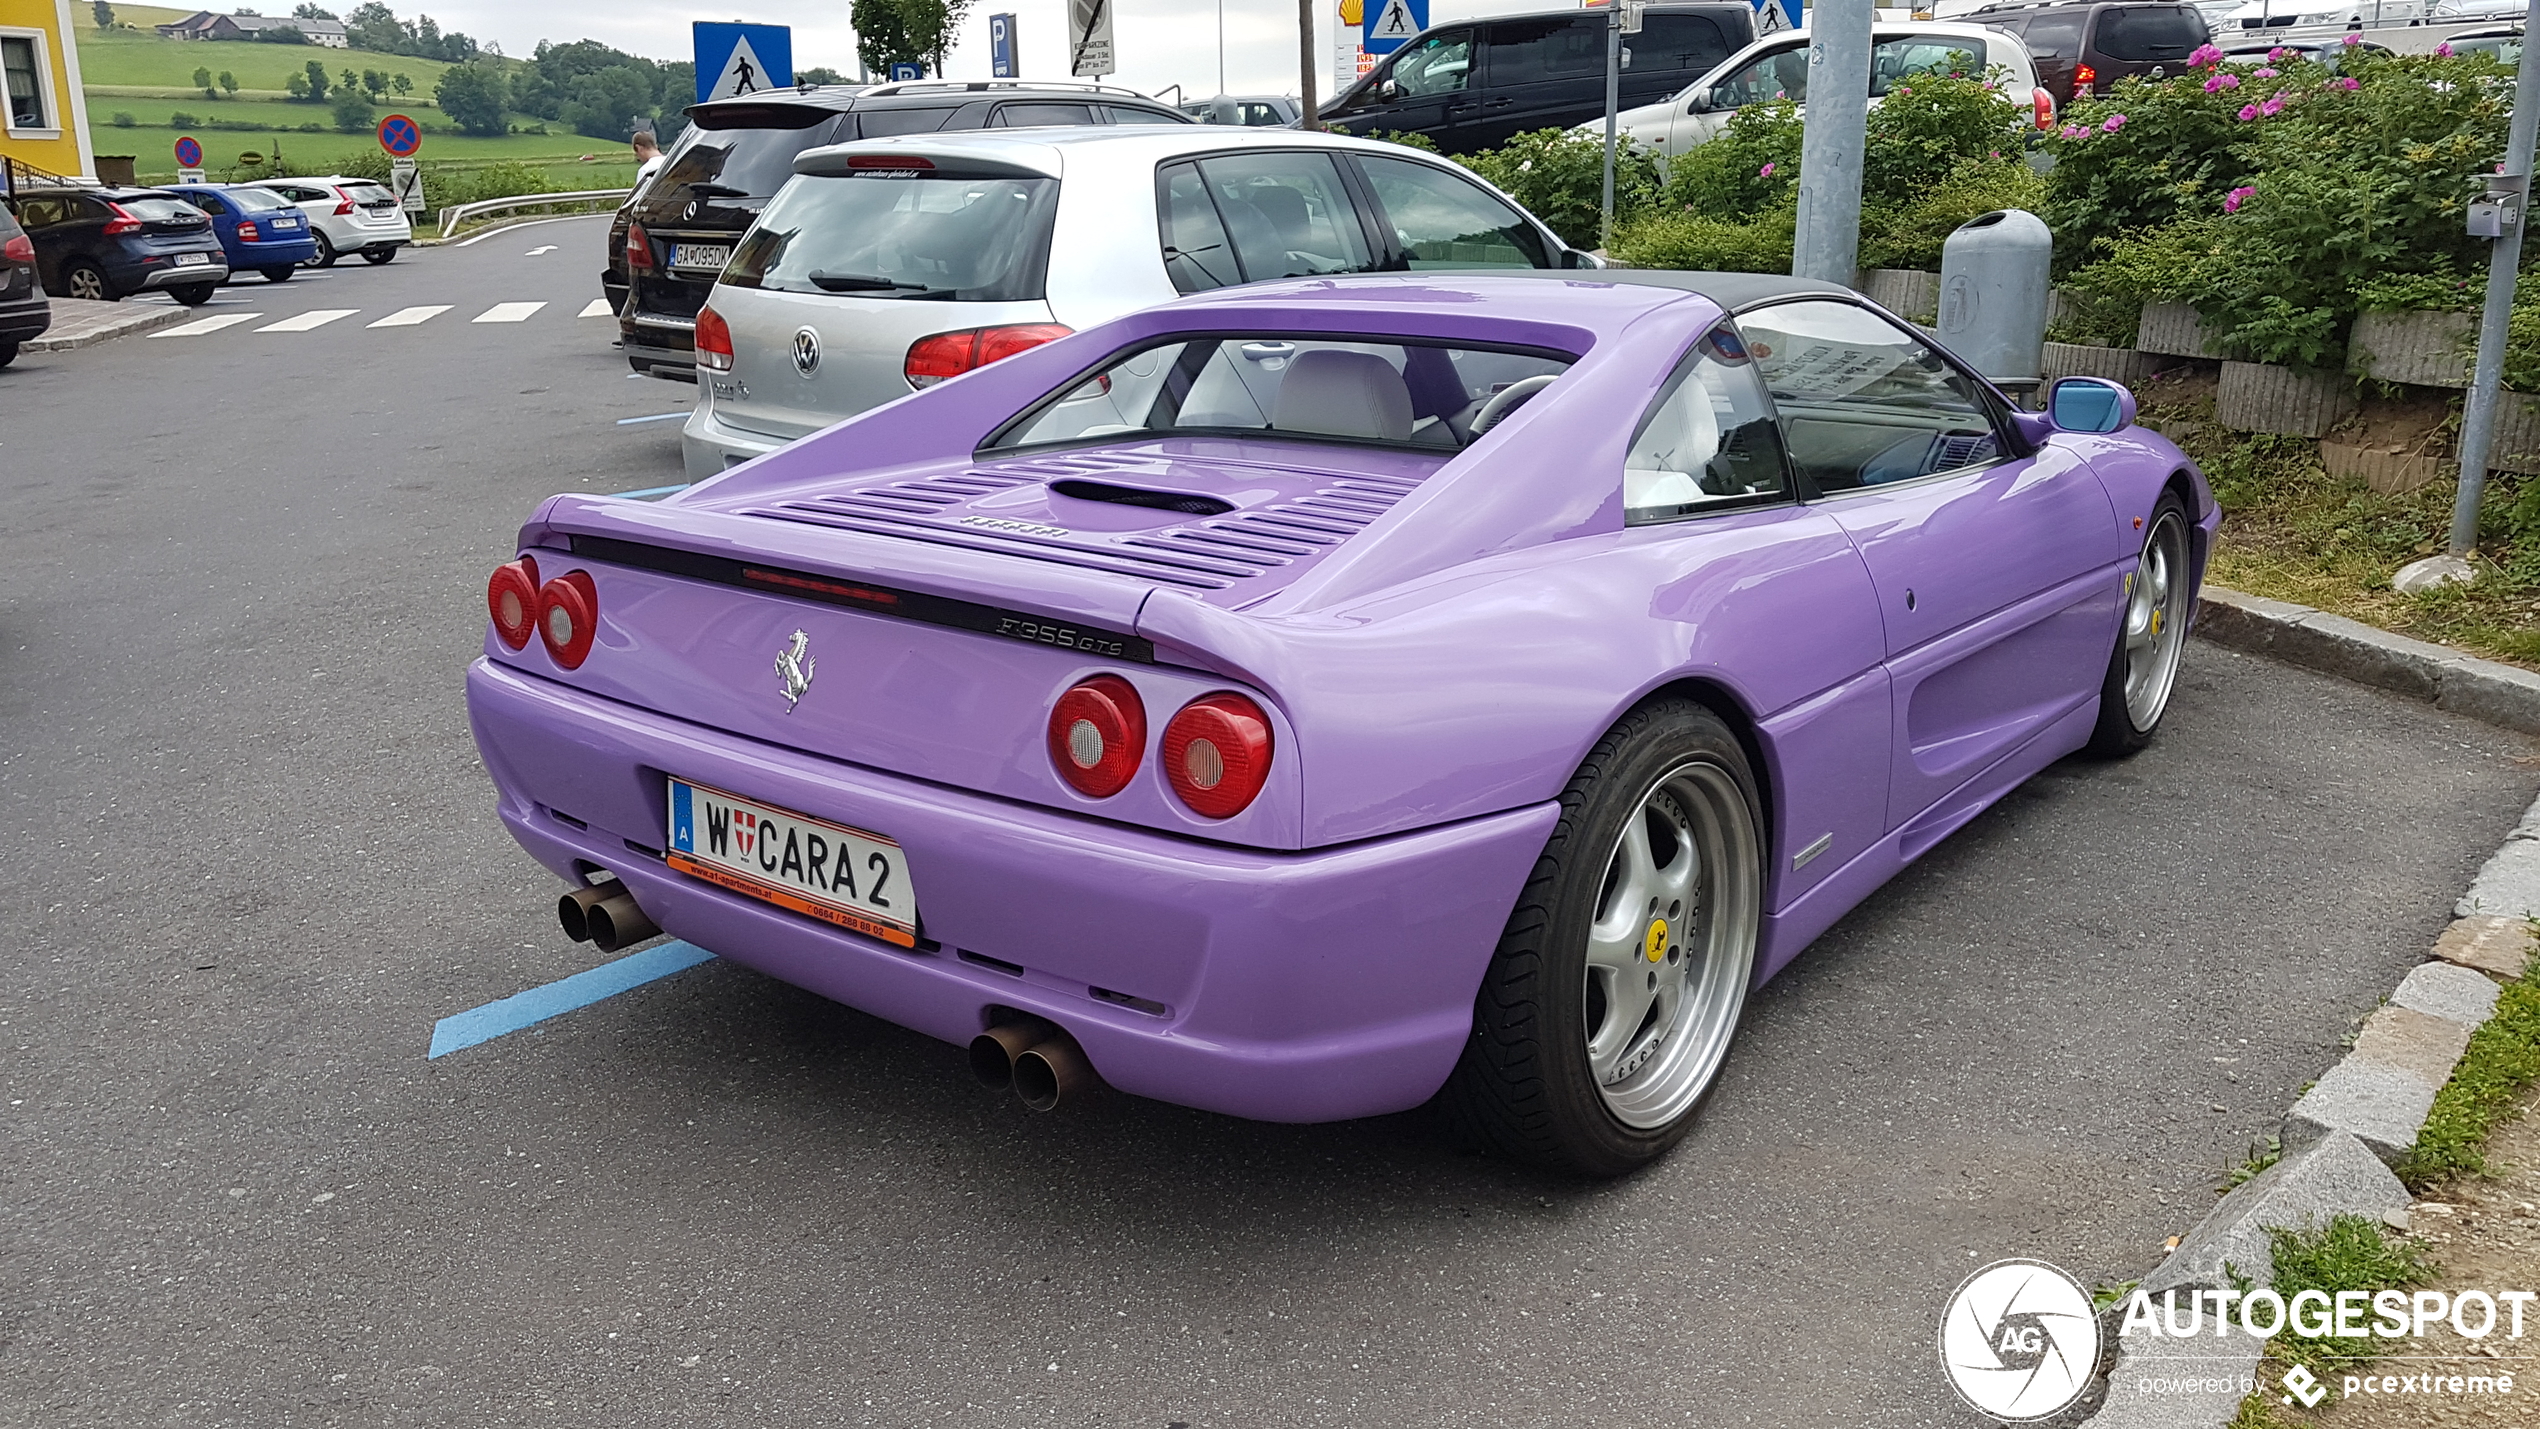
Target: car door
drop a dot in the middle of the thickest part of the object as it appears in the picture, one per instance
(1432, 82)
(1778, 71)
(1998, 571)
(224, 217)
(39, 216)
(1537, 73)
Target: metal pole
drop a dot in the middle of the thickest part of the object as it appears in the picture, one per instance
(2504, 262)
(1305, 65)
(1221, 48)
(1829, 239)
(1613, 100)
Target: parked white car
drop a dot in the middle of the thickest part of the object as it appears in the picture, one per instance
(1776, 67)
(888, 265)
(347, 216)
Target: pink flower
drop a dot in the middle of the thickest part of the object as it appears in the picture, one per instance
(2115, 123)
(2349, 82)
(2074, 131)
(1765, 172)
(2351, 41)
(2444, 49)
(2275, 54)
(2262, 72)
(2214, 85)
(2274, 105)
(2248, 112)
(2233, 200)
(2205, 55)
(2222, 82)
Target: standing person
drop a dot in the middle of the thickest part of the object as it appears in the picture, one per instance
(647, 157)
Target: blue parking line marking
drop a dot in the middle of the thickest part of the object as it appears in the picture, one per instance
(650, 491)
(656, 417)
(522, 1009)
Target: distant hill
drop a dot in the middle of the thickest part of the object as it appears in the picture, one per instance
(139, 61)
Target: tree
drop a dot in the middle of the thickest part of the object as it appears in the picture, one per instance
(311, 12)
(318, 82)
(604, 105)
(374, 84)
(229, 82)
(401, 83)
(105, 14)
(203, 82)
(281, 34)
(472, 95)
(819, 74)
(352, 110)
(296, 85)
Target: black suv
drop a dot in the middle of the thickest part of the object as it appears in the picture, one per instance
(1471, 85)
(24, 313)
(105, 244)
(2084, 48)
(675, 235)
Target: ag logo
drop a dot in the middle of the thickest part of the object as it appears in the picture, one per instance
(2019, 1341)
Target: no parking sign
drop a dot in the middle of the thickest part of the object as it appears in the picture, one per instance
(400, 136)
(189, 153)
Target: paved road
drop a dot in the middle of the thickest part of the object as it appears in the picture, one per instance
(255, 860)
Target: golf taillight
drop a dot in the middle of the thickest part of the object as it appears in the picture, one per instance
(1217, 754)
(344, 203)
(950, 354)
(247, 230)
(639, 247)
(122, 222)
(20, 249)
(511, 597)
(714, 341)
(569, 617)
(1098, 730)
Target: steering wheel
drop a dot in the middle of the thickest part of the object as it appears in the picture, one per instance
(1508, 399)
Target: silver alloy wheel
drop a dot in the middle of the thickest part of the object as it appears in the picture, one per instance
(2155, 626)
(86, 282)
(1672, 945)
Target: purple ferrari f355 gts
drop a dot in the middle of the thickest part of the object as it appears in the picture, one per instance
(1312, 699)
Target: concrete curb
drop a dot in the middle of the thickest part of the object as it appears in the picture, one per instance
(2439, 675)
(79, 323)
(2367, 1110)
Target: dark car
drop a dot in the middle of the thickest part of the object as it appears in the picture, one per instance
(2085, 48)
(106, 244)
(1471, 85)
(260, 230)
(671, 240)
(24, 313)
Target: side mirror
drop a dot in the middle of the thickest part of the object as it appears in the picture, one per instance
(1388, 91)
(2089, 404)
(1699, 102)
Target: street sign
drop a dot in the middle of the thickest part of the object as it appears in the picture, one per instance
(1005, 60)
(189, 153)
(1089, 39)
(407, 184)
(1631, 16)
(189, 176)
(736, 59)
(400, 136)
(1775, 15)
(902, 71)
(1393, 23)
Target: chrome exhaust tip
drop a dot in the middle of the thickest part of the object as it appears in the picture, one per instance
(616, 922)
(1054, 1072)
(573, 909)
(992, 1052)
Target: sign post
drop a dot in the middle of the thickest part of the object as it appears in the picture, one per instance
(1005, 51)
(735, 59)
(1089, 46)
(189, 160)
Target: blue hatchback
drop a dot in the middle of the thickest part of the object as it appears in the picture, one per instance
(259, 229)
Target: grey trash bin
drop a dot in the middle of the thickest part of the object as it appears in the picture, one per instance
(1994, 282)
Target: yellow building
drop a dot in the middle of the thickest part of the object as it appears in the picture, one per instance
(43, 117)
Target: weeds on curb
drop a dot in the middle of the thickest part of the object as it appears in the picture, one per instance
(2262, 1154)
(2485, 1091)
(2258, 1412)
(2349, 1253)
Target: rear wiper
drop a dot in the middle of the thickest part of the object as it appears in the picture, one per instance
(829, 282)
(716, 191)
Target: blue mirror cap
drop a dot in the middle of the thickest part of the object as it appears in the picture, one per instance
(2090, 404)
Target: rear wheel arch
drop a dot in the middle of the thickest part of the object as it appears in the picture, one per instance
(1721, 701)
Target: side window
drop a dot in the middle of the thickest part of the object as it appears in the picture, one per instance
(1196, 254)
(1892, 60)
(35, 213)
(1676, 42)
(1708, 442)
(1440, 64)
(1286, 215)
(1255, 114)
(2054, 36)
(1863, 402)
(1538, 51)
(1024, 116)
(887, 123)
(1130, 114)
(1782, 74)
(1443, 221)
(207, 203)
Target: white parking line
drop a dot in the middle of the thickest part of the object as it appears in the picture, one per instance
(596, 308)
(200, 326)
(507, 313)
(314, 318)
(408, 317)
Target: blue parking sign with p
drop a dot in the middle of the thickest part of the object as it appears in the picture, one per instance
(902, 71)
(734, 60)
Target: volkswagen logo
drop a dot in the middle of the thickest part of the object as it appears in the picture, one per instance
(806, 351)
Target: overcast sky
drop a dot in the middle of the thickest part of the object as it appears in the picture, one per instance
(1160, 42)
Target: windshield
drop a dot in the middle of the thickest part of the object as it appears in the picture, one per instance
(1403, 393)
(2150, 32)
(898, 233)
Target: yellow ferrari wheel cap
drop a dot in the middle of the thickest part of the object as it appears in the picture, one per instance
(1655, 945)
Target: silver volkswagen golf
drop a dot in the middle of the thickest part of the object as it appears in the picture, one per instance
(887, 265)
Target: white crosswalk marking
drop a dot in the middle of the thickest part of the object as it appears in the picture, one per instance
(314, 318)
(507, 313)
(408, 317)
(200, 326)
(596, 308)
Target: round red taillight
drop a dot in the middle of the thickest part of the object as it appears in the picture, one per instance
(1098, 732)
(569, 617)
(511, 597)
(1217, 754)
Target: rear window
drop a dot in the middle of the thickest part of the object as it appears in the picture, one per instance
(1677, 42)
(890, 123)
(159, 208)
(2150, 32)
(754, 163)
(368, 193)
(1383, 393)
(894, 233)
(254, 200)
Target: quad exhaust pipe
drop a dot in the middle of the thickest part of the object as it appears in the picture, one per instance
(606, 916)
(1037, 1059)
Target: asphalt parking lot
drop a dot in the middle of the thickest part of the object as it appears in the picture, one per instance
(253, 862)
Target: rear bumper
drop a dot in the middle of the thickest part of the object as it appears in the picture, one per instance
(659, 344)
(25, 319)
(168, 276)
(1292, 987)
(708, 447)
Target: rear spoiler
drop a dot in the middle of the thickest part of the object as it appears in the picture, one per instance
(952, 156)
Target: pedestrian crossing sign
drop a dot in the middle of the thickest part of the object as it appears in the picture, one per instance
(1391, 23)
(734, 60)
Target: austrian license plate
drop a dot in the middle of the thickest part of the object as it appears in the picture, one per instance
(286, 223)
(192, 260)
(834, 873)
(700, 255)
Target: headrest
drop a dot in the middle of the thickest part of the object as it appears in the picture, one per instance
(1344, 394)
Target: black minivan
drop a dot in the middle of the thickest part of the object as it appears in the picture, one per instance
(2085, 46)
(1473, 84)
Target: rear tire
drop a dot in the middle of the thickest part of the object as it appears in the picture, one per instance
(377, 256)
(83, 279)
(1587, 1055)
(280, 274)
(2143, 669)
(326, 254)
(193, 295)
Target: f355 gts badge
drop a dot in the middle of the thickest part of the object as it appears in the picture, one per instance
(794, 669)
